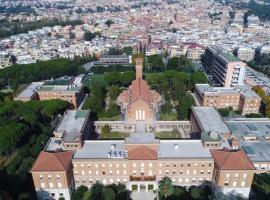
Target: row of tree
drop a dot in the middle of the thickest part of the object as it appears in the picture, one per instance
(14, 28)
(101, 192)
(20, 74)
(24, 130)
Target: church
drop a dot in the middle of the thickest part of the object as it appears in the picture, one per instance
(139, 103)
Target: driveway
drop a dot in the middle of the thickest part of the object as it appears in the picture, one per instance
(143, 195)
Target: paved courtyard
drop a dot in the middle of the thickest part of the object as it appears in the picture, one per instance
(143, 195)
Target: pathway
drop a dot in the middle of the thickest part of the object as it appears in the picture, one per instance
(143, 195)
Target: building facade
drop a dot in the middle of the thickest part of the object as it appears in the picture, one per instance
(226, 69)
(52, 175)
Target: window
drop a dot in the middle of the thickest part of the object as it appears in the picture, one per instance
(103, 165)
(96, 172)
(201, 171)
(117, 172)
(180, 180)
(110, 172)
(167, 165)
(89, 172)
(82, 165)
(82, 172)
(124, 172)
(243, 184)
(150, 165)
(103, 173)
(96, 165)
(40, 177)
(187, 172)
(42, 185)
(236, 175)
(49, 176)
(227, 175)
(89, 165)
(195, 164)
(174, 165)
(194, 172)
(160, 165)
(51, 185)
(124, 165)
(160, 172)
(58, 176)
(208, 171)
(142, 164)
(188, 165)
(181, 172)
(245, 176)
(234, 184)
(134, 164)
(117, 165)
(187, 180)
(59, 185)
(167, 171)
(134, 172)
(226, 183)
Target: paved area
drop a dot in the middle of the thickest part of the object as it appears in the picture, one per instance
(143, 195)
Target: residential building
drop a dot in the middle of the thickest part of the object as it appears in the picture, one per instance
(114, 60)
(52, 175)
(227, 70)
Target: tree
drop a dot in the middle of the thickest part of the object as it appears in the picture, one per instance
(225, 112)
(112, 77)
(165, 187)
(109, 23)
(89, 36)
(109, 194)
(114, 92)
(166, 108)
(126, 78)
(106, 129)
(184, 107)
(96, 191)
(198, 77)
(196, 193)
(155, 63)
(79, 193)
(128, 50)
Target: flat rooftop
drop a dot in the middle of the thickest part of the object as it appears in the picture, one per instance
(258, 150)
(73, 121)
(210, 120)
(141, 138)
(101, 149)
(204, 88)
(30, 90)
(183, 149)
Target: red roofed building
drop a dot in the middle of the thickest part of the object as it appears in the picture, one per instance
(233, 171)
(52, 175)
(139, 103)
(142, 152)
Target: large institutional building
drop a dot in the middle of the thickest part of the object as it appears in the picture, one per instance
(224, 153)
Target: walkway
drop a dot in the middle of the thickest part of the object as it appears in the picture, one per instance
(143, 195)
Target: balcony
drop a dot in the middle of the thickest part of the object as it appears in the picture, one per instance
(142, 178)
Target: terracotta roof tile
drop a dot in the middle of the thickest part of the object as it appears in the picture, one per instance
(58, 161)
(232, 160)
(142, 153)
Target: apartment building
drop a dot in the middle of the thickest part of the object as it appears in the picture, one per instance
(141, 161)
(29, 92)
(226, 69)
(238, 98)
(114, 60)
(233, 171)
(52, 175)
(66, 88)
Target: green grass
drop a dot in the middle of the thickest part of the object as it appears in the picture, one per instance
(168, 116)
(114, 118)
(114, 135)
(168, 135)
(95, 77)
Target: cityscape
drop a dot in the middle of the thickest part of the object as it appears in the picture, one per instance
(134, 100)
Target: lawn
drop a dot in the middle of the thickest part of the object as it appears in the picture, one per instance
(114, 135)
(95, 77)
(168, 116)
(168, 135)
(114, 118)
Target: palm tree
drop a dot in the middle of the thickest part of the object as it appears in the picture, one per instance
(165, 187)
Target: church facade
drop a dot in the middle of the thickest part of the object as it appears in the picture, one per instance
(139, 103)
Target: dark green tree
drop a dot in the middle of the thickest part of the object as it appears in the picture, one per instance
(165, 187)
(109, 194)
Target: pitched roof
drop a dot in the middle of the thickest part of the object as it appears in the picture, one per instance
(58, 161)
(139, 89)
(232, 160)
(142, 153)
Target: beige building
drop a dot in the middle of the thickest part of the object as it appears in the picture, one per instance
(240, 98)
(53, 175)
(233, 171)
(226, 69)
(141, 161)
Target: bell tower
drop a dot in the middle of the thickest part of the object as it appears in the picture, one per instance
(139, 67)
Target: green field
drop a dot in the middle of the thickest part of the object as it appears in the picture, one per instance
(114, 135)
(168, 135)
(95, 77)
(168, 116)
